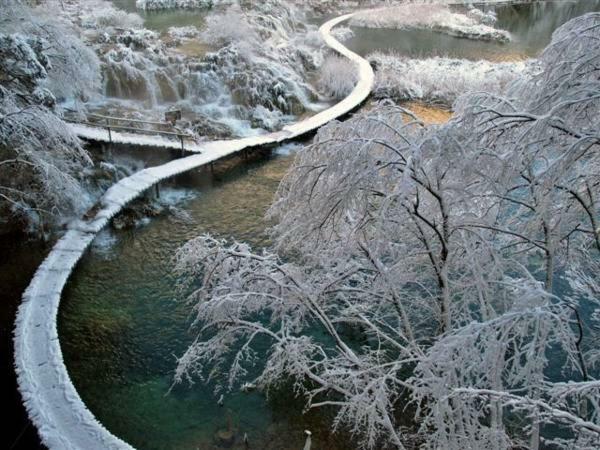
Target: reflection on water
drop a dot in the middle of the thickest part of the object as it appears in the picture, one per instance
(531, 26)
(120, 325)
(161, 20)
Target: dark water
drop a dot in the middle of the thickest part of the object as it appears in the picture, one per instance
(531, 27)
(19, 258)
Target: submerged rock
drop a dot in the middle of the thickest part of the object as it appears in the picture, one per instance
(225, 438)
(135, 214)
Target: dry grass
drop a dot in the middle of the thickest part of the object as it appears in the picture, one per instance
(429, 114)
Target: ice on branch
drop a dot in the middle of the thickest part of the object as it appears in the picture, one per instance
(337, 77)
(42, 164)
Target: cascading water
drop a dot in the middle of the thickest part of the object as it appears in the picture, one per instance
(251, 81)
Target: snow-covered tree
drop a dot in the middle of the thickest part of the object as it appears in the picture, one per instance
(42, 162)
(337, 77)
(75, 67)
(450, 271)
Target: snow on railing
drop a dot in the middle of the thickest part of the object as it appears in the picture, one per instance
(53, 404)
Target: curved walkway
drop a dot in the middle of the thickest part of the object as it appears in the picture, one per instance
(53, 404)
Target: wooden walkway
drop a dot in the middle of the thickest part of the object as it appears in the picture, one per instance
(53, 404)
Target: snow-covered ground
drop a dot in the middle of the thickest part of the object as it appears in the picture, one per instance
(61, 417)
(246, 68)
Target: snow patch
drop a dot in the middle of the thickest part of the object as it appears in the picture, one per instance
(106, 15)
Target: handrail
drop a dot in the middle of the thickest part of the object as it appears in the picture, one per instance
(137, 130)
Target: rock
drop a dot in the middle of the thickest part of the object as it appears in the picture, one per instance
(225, 438)
(133, 215)
(205, 127)
(44, 97)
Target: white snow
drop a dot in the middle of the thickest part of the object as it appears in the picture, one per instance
(53, 404)
(431, 16)
(118, 137)
(441, 80)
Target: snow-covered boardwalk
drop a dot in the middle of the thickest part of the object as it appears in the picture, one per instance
(53, 404)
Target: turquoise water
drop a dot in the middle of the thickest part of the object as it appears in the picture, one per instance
(162, 20)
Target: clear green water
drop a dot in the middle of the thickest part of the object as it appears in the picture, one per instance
(531, 27)
(121, 327)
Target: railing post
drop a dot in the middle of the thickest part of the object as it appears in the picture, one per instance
(182, 148)
(108, 129)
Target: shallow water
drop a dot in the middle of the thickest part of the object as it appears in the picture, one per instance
(161, 20)
(531, 27)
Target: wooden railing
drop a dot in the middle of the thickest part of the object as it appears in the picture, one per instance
(111, 123)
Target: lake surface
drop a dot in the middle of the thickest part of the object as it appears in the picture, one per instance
(161, 20)
(121, 326)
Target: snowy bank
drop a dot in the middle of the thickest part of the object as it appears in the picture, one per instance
(440, 80)
(53, 404)
(439, 18)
